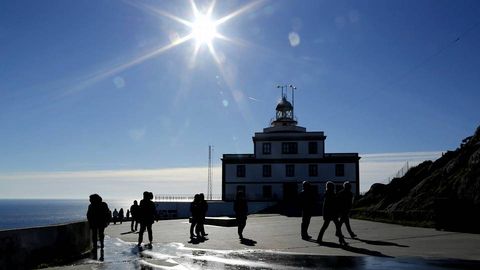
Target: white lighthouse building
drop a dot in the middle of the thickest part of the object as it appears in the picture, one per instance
(285, 155)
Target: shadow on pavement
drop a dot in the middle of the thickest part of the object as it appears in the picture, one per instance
(357, 250)
(379, 243)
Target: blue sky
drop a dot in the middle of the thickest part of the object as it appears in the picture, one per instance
(78, 95)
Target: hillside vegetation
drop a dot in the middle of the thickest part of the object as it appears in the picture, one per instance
(444, 193)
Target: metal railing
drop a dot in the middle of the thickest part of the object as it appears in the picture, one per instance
(182, 197)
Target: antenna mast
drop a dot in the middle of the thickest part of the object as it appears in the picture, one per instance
(284, 89)
(293, 88)
(209, 191)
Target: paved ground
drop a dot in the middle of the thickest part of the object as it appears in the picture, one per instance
(276, 239)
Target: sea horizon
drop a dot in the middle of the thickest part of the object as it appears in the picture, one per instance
(29, 212)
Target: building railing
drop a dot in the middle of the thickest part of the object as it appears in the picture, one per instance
(183, 197)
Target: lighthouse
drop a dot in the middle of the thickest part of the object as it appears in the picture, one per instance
(284, 155)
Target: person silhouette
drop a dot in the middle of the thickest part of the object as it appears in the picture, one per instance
(115, 216)
(196, 213)
(330, 213)
(120, 215)
(200, 229)
(240, 206)
(307, 201)
(98, 216)
(147, 217)
(134, 212)
(345, 199)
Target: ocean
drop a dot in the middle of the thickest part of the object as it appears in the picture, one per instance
(25, 213)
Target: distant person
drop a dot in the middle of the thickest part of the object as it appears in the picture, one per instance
(345, 200)
(307, 201)
(240, 207)
(120, 215)
(330, 213)
(134, 211)
(203, 213)
(196, 215)
(98, 216)
(115, 216)
(147, 217)
(127, 217)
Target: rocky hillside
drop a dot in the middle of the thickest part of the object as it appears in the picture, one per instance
(444, 193)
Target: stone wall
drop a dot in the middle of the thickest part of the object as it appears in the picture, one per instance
(42, 246)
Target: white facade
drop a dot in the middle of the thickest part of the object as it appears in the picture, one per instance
(284, 156)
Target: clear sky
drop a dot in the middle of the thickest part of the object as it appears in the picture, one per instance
(117, 96)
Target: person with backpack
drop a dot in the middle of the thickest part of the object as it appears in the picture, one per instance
(98, 216)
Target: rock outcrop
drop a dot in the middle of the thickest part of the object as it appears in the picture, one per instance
(444, 193)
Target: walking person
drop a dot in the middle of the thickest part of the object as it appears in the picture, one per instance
(345, 200)
(147, 217)
(330, 213)
(307, 201)
(240, 207)
(98, 216)
(196, 213)
(115, 216)
(120, 215)
(134, 211)
(200, 229)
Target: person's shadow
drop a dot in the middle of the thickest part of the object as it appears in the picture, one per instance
(248, 242)
(378, 243)
(347, 247)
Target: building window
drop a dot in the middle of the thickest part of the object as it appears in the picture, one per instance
(289, 148)
(267, 191)
(312, 170)
(267, 170)
(266, 148)
(313, 148)
(240, 170)
(290, 170)
(339, 169)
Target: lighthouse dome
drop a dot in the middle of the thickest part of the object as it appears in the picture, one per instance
(284, 105)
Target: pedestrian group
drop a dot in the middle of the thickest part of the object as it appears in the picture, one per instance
(336, 209)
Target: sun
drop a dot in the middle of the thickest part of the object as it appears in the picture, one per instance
(204, 29)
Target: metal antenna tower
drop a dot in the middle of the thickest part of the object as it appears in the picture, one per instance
(209, 191)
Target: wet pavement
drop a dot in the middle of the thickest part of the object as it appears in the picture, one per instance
(274, 242)
(119, 254)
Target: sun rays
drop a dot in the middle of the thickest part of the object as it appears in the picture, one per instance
(203, 28)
